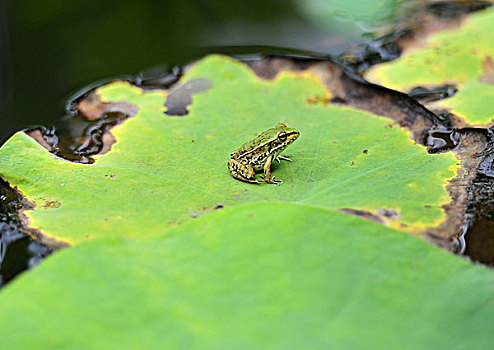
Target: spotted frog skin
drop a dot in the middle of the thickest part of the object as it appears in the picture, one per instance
(258, 154)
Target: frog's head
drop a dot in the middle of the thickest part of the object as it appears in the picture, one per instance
(282, 136)
(285, 135)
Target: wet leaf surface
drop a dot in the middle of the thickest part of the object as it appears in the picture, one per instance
(163, 170)
(261, 275)
(473, 103)
(460, 57)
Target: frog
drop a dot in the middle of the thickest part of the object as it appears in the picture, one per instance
(259, 154)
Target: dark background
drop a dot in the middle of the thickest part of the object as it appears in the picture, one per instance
(50, 49)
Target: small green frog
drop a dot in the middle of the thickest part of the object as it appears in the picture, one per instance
(259, 153)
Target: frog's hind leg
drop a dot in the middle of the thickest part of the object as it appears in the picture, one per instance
(241, 171)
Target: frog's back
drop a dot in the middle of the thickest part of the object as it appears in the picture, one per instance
(264, 143)
(260, 140)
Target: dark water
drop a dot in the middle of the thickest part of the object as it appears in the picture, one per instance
(18, 251)
(51, 52)
(50, 49)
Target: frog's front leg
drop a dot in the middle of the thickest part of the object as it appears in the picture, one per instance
(267, 172)
(241, 171)
(280, 158)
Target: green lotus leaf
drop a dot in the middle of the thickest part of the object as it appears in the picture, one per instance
(474, 103)
(164, 170)
(458, 56)
(261, 275)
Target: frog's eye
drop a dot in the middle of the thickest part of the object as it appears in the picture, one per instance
(282, 137)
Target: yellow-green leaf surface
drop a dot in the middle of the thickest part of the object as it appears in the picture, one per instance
(474, 102)
(165, 170)
(457, 56)
(241, 278)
